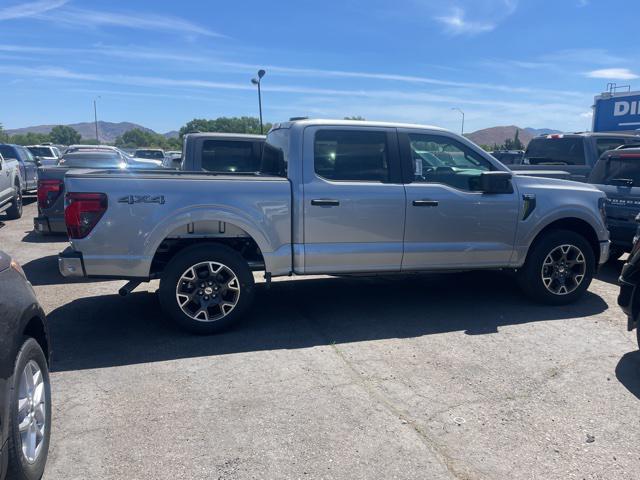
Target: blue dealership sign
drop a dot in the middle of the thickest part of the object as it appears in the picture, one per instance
(617, 112)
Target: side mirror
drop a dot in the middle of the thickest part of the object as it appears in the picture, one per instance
(496, 182)
(38, 161)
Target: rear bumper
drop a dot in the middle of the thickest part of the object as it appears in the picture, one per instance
(70, 263)
(45, 224)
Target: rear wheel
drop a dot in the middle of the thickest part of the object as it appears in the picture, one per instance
(15, 210)
(558, 269)
(206, 288)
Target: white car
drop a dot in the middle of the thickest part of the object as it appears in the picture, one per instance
(48, 155)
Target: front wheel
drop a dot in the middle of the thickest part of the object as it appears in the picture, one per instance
(558, 269)
(206, 288)
(30, 414)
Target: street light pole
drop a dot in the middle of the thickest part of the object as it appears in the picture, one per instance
(95, 118)
(462, 129)
(257, 81)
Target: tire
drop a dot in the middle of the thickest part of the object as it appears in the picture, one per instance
(20, 467)
(14, 212)
(227, 280)
(574, 278)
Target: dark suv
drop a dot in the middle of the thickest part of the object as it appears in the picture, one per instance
(25, 391)
(617, 174)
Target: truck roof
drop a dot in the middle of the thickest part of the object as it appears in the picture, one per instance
(588, 134)
(352, 123)
(228, 136)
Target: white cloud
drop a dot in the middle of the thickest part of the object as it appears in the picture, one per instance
(457, 23)
(613, 74)
(30, 9)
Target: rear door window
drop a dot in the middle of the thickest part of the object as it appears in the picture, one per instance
(351, 155)
(556, 151)
(229, 156)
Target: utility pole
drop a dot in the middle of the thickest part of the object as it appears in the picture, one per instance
(95, 118)
(256, 81)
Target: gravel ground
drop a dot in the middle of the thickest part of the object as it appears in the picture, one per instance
(453, 376)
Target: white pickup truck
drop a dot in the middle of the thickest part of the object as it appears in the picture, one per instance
(332, 197)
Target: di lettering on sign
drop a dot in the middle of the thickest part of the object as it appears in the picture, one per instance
(617, 113)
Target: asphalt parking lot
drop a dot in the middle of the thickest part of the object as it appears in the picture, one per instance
(439, 376)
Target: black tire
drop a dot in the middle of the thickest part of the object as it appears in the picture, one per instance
(530, 276)
(14, 212)
(19, 466)
(197, 254)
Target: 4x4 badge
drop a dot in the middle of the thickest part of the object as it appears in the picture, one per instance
(131, 199)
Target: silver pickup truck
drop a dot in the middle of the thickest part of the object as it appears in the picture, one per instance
(11, 186)
(332, 197)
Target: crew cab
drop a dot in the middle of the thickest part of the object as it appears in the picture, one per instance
(10, 188)
(27, 163)
(575, 153)
(332, 197)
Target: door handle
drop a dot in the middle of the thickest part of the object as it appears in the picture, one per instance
(325, 202)
(425, 203)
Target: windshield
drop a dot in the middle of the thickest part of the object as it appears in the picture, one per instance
(92, 160)
(555, 151)
(42, 152)
(7, 152)
(617, 171)
(150, 154)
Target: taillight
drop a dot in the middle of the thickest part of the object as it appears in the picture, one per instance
(82, 212)
(48, 192)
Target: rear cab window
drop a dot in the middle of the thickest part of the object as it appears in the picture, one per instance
(555, 151)
(619, 170)
(230, 156)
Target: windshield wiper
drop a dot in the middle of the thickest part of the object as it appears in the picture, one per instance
(623, 182)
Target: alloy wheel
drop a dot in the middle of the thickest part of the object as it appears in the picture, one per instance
(32, 411)
(563, 269)
(208, 291)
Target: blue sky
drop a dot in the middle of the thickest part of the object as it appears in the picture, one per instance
(530, 63)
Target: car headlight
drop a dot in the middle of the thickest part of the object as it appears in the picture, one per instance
(16, 266)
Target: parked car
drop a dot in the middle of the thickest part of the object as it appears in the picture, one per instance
(332, 197)
(27, 164)
(576, 153)
(172, 159)
(155, 154)
(617, 174)
(629, 296)
(50, 217)
(25, 391)
(47, 154)
(10, 188)
(508, 157)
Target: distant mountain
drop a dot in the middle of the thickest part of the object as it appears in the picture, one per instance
(171, 134)
(107, 131)
(498, 135)
(541, 131)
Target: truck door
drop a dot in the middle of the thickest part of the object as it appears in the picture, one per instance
(30, 168)
(450, 223)
(354, 200)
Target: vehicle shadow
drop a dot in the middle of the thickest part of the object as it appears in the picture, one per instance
(44, 271)
(610, 271)
(105, 331)
(628, 372)
(35, 237)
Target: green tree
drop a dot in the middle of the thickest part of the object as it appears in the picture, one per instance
(141, 138)
(64, 135)
(29, 138)
(3, 135)
(224, 125)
